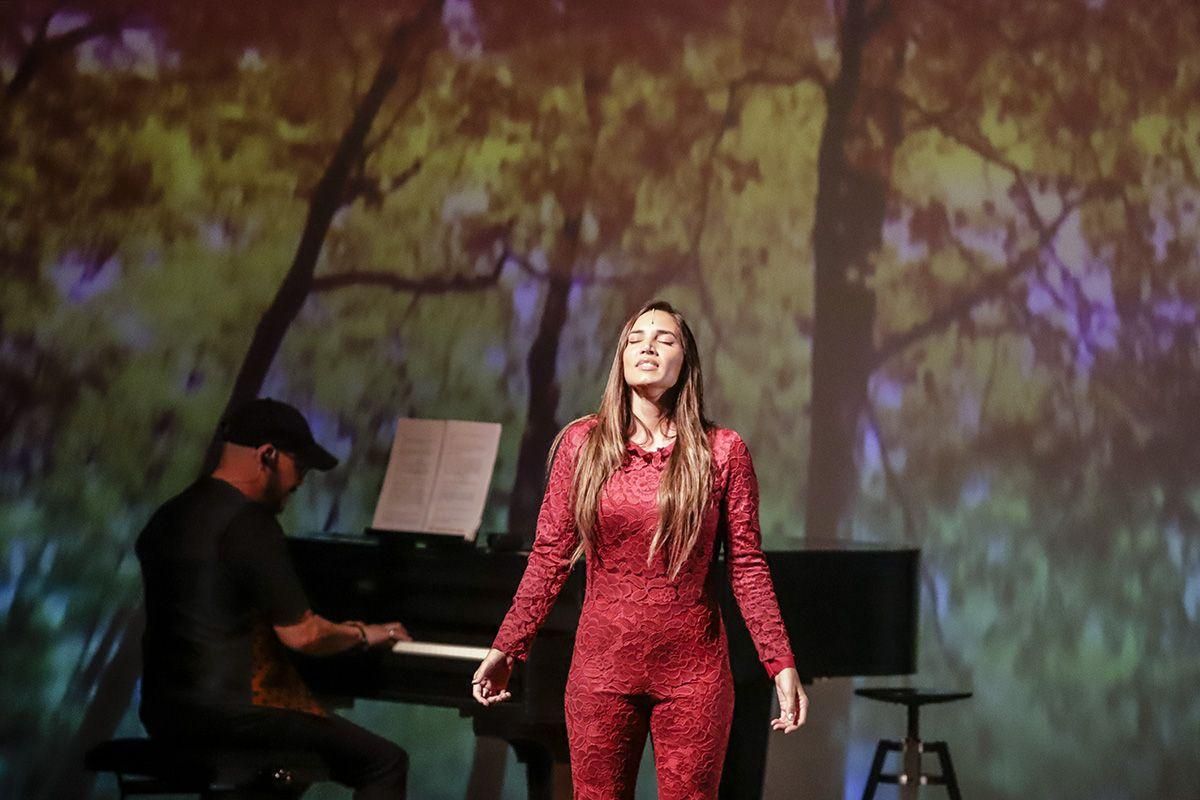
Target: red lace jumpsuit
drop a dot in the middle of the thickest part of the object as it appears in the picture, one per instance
(650, 652)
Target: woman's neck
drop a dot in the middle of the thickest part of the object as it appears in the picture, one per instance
(651, 420)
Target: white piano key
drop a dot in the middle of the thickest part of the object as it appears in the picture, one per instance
(461, 652)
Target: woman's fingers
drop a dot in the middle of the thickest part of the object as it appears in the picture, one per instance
(480, 684)
(802, 709)
(484, 689)
(787, 708)
(793, 710)
(486, 695)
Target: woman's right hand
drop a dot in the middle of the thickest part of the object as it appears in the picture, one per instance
(490, 683)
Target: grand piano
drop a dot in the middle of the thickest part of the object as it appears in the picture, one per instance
(850, 609)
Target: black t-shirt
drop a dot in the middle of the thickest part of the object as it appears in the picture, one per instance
(213, 564)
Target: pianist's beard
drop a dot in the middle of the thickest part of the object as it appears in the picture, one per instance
(275, 496)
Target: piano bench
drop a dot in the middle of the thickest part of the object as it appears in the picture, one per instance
(151, 766)
(911, 777)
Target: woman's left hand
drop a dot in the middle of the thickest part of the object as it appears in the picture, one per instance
(793, 702)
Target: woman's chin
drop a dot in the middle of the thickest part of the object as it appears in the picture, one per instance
(649, 391)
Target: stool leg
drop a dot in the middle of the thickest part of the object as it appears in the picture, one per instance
(910, 774)
(881, 751)
(943, 753)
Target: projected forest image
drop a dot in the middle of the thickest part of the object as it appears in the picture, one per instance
(942, 258)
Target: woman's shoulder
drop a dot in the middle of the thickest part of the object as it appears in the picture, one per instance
(577, 430)
(727, 443)
(580, 426)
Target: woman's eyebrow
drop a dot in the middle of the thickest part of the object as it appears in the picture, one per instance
(656, 332)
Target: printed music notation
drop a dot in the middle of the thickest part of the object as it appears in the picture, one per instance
(437, 477)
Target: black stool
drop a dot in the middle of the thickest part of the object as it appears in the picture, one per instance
(150, 766)
(911, 777)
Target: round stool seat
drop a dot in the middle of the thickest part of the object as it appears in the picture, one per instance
(911, 696)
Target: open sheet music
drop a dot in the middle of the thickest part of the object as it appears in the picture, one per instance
(437, 477)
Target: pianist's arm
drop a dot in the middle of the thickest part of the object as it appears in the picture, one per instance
(255, 549)
(316, 636)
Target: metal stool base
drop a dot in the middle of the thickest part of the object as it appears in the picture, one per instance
(911, 778)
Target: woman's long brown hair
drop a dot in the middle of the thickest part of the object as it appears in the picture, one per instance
(684, 490)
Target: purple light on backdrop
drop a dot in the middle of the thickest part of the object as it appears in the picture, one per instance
(525, 299)
(462, 27)
(79, 278)
(495, 358)
(886, 392)
(975, 490)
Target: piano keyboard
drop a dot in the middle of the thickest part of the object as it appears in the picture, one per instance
(461, 652)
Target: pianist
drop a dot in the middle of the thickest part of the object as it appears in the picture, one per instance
(221, 595)
(646, 488)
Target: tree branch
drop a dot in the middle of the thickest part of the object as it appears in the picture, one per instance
(729, 120)
(371, 145)
(995, 284)
(762, 77)
(408, 49)
(992, 286)
(555, 279)
(400, 283)
(943, 123)
(45, 47)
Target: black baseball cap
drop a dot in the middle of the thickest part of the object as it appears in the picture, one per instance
(267, 421)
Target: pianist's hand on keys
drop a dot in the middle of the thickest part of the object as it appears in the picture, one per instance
(376, 634)
(490, 684)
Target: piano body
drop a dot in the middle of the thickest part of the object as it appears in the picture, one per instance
(850, 609)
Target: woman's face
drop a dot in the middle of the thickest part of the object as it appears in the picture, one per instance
(653, 353)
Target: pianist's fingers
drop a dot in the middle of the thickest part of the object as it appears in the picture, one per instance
(397, 632)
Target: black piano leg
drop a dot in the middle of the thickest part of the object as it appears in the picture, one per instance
(539, 769)
(487, 768)
(746, 756)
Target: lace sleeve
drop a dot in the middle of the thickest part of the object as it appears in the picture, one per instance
(749, 575)
(550, 560)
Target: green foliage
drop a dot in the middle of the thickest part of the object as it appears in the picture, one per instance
(1036, 438)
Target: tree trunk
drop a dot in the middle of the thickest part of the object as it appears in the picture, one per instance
(852, 170)
(45, 49)
(541, 423)
(408, 45)
(847, 230)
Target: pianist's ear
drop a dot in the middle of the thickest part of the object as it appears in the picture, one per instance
(268, 456)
